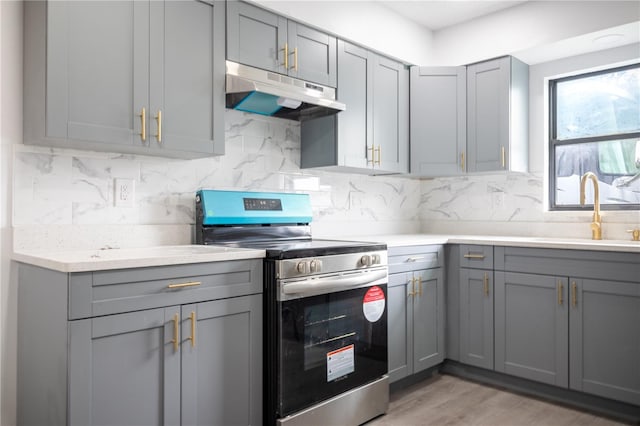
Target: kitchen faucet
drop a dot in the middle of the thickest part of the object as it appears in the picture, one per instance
(596, 225)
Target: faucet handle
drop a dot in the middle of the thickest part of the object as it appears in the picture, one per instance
(635, 234)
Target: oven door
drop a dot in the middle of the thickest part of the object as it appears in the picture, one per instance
(330, 343)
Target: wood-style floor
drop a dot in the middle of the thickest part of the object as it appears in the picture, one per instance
(449, 400)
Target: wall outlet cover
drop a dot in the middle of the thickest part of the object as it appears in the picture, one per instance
(124, 192)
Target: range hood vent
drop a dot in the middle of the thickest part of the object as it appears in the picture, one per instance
(263, 92)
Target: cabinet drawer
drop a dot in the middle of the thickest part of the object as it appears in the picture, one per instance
(412, 258)
(124, 290)
(476, 256)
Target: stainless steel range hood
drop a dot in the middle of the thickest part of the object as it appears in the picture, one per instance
(268, 93)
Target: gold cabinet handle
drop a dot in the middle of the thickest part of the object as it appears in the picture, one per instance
(159, 120)
(379, 151)
(635, 234)
(485, 283)
(182, 285)
(413, 287)
(503, 157)
(414, 259)
(192, 317)
(560, 291)
(176, 332)
(474, 256)
(143, 124)
(462, 161)
(286, 56)
(295, 59)
(574, 294)
(372, 160)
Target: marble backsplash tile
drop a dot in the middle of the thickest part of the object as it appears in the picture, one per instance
(69, 188)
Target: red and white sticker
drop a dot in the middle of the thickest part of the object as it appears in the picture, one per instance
(373, 304)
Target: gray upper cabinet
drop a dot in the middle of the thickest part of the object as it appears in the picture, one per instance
(167, 345)
(497, 115)
(438, 129)
(531, 333)
(371, 135)
(262, 39)
(115, 76)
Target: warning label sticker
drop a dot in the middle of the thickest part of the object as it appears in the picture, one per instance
(340, 362)
(373, 304)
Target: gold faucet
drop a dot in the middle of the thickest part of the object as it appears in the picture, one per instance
(596, 225)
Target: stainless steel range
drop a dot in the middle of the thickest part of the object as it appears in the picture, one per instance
(325, 308)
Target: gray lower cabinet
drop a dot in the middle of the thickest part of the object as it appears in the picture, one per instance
(263, 39)
(371, 136)
(189, 361)
(476, 317)
(438, 127)
(416, 310)
(497, 115)
(604, 342)
(531, 332)
(115, 76)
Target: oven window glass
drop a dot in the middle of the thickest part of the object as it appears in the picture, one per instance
(329, 345)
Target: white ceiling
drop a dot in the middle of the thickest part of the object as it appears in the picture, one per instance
(437, 14)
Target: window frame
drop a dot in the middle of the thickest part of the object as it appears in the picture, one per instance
(554, 142)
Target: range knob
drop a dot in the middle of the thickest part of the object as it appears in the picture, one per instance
(365, 260)
(375, 259)
(315, 266)
(301, 267)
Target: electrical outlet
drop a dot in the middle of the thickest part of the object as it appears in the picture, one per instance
(124, 192)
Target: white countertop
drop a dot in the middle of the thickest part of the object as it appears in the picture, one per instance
(399, 240)
(116, 258)
(105, 259)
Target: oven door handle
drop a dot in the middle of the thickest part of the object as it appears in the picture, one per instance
(331, 283)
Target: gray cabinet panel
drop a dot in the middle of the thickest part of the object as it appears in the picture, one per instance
(183, 81)
(605, 338)
(255, 36)
(121, 370)
(531, 330)
(94, 74)
(438, 120)
(222, 368)
(400, 328)
(476, 256)
(497, 115)
(411, 258)
(476, 317)
(314, 54)
(390, 115)
(428, 319)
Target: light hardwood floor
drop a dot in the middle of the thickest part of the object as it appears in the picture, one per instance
(449, 400)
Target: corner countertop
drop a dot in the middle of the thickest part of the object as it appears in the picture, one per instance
(116, 258)
(400, 240)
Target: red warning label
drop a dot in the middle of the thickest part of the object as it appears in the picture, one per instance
(373, 304)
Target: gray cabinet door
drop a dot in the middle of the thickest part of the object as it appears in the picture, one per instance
(400, 326)
(125, 369)
(186, 77)
(428, 319)
(222, 362)
(476, 317)
(438, 128)
(488, 103)
(604, 334)
(390, 115)
(256, 37)
(531, 327)
(312, 54)
(96, 75)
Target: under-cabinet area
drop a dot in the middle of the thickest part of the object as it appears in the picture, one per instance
(178, 344)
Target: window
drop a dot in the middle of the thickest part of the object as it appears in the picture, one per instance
(595, 127)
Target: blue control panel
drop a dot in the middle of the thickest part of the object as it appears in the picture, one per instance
(246, 208)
